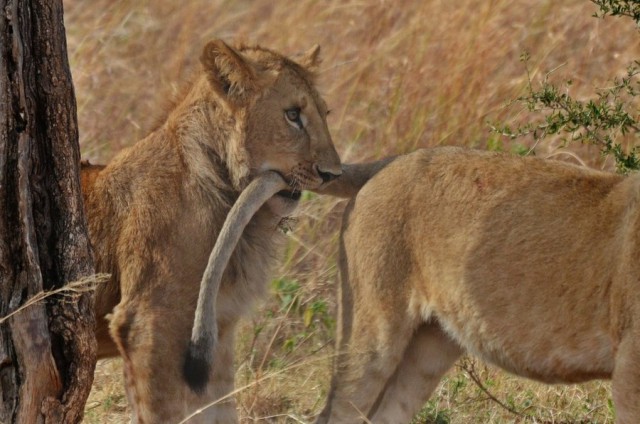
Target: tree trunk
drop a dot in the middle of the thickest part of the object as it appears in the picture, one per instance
(48, 349)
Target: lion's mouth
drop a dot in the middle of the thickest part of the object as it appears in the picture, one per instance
(290, 195)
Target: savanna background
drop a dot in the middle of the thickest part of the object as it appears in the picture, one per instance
(397, 75)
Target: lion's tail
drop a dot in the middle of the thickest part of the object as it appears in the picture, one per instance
(353, 177)
(199, 355)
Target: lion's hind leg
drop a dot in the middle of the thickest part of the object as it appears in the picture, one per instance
(152, 334)
(364, 365)
(217, 404)
(430, 354)
(152, 385)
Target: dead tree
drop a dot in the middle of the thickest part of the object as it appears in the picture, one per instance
(47, 350)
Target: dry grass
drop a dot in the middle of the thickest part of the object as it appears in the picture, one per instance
(397, 76)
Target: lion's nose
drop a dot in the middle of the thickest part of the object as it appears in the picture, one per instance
(327, 176)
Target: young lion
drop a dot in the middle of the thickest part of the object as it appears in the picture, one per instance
(155, 211)
(530, 264)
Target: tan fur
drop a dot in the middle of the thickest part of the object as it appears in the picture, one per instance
(199, 357)
(353, 177)
(155, 211)
(530, 264)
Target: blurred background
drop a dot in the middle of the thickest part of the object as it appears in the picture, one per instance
(397, 75)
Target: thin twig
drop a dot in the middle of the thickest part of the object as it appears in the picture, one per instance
(253, 383)
(81, 286)
(470, 370)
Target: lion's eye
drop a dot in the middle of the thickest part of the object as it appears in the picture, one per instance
(293, 114)
(294, 117)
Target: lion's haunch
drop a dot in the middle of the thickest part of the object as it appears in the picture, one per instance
(205, 331)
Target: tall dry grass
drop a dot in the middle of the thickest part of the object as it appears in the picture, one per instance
(397, 75)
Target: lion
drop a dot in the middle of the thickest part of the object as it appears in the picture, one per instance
(530, 264)
(155, 211)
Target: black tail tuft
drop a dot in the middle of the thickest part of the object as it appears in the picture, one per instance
(197, 364)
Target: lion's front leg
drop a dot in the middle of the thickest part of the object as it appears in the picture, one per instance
(626, 379)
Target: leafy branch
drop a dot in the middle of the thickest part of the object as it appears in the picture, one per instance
(629, 8)
(608, 120)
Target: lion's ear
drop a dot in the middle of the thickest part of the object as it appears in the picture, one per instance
(229, 73)
(311, 58)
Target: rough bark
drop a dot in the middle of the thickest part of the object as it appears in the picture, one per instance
(47, 350)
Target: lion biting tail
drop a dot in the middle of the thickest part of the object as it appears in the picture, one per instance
(199, 355)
